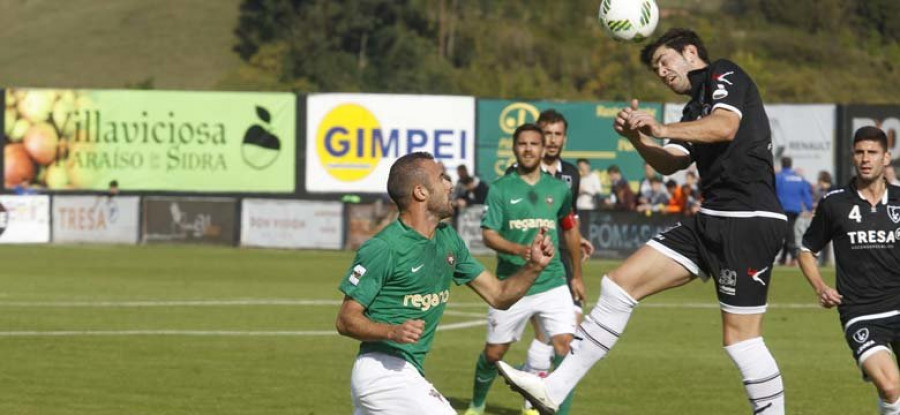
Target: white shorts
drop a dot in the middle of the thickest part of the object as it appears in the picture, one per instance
(381, 384)
(553, 309)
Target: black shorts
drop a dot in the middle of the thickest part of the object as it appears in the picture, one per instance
(868, 334)
(737, 252)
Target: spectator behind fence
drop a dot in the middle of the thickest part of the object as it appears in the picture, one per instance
(655, 199)
(621, 197)
(691, 194)
(590, 188)
(24, 188)
(794, 194)
(890, 174)
(824, 185)
(646, 182)
(459, 191)
(475, 192)
(676, 198)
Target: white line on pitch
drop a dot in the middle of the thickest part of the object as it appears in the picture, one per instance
(206, 333)
(171, 303)
(329, 303)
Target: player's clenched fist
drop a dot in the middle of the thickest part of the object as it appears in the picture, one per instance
(408, 332)
(541, 249)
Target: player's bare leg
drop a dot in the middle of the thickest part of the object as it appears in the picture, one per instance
(882, 369)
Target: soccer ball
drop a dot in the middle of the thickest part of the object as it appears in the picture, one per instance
(629, 20)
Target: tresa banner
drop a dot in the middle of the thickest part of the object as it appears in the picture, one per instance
(616, 235)
(190, 220)
(24, 219)
(352, 139)
(590, 134)
(150, 140)
(96, 219)
(854, 117)
(273, 223)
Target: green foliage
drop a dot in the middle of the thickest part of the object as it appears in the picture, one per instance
(797, 51)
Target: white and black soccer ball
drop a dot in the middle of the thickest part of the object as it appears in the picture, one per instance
(629, 20)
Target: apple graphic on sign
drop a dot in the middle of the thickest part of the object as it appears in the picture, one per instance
(260, 147)
(17, 165)
(41, 141)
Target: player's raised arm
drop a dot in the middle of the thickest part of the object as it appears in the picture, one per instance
(637, 126)
(503, 294)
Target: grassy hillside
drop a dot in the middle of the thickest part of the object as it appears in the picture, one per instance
(171, 44)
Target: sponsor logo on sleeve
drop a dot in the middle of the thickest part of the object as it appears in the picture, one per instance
(358, 272)
(720, 92)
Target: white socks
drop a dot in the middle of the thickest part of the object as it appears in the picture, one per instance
(593, 339)
(539, 357)
(762, 380)
(889, 408)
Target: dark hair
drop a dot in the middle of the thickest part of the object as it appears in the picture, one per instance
(527, 127)
(462, 167)
(114, 183)
(613, 169)
(671, 183)
(552, 116)
(582, 160)
(676, 39)
(691, 173)
(825, 176)
(786, 162)
(405, 174)
(871, 134)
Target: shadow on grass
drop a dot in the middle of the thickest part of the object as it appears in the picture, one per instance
(462, 404)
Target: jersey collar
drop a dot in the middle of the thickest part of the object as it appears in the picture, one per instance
(884, 197)
(545, 169)
(697, 77)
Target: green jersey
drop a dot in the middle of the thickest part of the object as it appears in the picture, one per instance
(517, 210)
(401, 275)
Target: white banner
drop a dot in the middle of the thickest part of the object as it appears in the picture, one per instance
(803, 132)
(274, 223)
(806, 134)
(468, 225)
(25, 219)
(96, 219)
(352, 139)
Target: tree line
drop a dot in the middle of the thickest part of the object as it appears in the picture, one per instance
(798, 51)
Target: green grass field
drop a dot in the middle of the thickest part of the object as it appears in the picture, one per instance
(197, 330)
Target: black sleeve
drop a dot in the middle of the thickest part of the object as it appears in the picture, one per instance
(820, 229)
(576, 185)
(729, 85)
